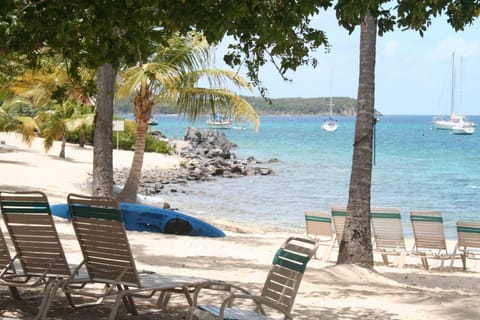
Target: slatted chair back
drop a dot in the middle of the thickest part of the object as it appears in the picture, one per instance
(387, 228)
(318, 225)
(387, 234)
(32, 230)
(100, 231)
(428, 230)
(319, 228)
(287, 270)
(468, 241)
(339, 215)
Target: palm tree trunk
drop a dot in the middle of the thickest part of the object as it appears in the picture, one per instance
(143, 107)
(103, 145)
(62, 149)
(129, 191)
(356, 245)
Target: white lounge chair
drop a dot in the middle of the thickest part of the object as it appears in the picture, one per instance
(319, 228)
(108, 259)
(387, 233)
(468, 243)
(429, 237)
(279, 291)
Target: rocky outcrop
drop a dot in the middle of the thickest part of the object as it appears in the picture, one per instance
(207, 155)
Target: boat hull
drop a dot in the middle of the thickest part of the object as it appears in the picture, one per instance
(444, 125)
(463, 131)
(330, 125)
(139, 217)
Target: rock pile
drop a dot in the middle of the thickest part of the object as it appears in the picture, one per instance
(206, 156)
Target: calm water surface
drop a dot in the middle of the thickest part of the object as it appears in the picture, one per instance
(416, 168)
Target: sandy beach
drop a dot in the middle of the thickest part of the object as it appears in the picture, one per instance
(242, 257)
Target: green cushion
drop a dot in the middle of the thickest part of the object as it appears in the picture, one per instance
(281, 257)
(318, 219)
(379, 215)
(468, 229)
(25, 207)
(82, 211)
(426, 218)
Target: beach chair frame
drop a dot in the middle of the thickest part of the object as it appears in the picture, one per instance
(318, 226)
(39, 252)
(387, 234)
(468, 242)
(278, 293)
(429, 237)
(108, 259)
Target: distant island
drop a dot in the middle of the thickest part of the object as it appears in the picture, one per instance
(342, 106)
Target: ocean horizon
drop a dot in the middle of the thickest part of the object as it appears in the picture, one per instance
(416, 168)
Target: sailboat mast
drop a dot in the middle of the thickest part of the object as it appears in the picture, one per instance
(331, 91)
(452, 106)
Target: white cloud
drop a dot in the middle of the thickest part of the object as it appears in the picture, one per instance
(461, 47)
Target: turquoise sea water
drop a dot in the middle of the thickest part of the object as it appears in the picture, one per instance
(416, 168)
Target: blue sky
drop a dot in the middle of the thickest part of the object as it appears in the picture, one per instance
(413, 74)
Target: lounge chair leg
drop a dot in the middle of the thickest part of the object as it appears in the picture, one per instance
(385, 259)
(48, 294)
(14, 293)
(128, 301)
(425, 263)
(464, 261)
(163, 299)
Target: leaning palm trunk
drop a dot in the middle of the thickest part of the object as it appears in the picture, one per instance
(356, 244)
(143, 111)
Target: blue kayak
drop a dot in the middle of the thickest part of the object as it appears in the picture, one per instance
(140, 217)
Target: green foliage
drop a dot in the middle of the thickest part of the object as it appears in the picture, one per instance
(154, 145)
(418, 14)
(126, 140)
(76, 137)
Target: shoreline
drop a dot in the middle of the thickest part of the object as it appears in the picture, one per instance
(242, 257)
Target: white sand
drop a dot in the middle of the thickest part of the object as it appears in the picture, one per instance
(327, 291)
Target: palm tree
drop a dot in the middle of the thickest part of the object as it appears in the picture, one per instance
(13, 119)
(356, 245)
(172, 76)
(65, 103)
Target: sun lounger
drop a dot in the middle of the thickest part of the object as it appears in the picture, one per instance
(319, 228)
(108, 259)
(429, 237)
(278, 293)
(468, 241)
(387, 234)
(38, 249)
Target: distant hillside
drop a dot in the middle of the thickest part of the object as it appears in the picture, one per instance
(303, 106)
(342, 106)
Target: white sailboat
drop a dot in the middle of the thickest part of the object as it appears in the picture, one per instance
(330, 124)
(219, 122)
(454, 121)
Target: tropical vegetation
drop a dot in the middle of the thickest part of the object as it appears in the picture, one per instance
(173, 75)
(106, 35)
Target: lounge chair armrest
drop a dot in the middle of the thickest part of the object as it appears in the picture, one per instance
(217, 285)
(121, 271)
